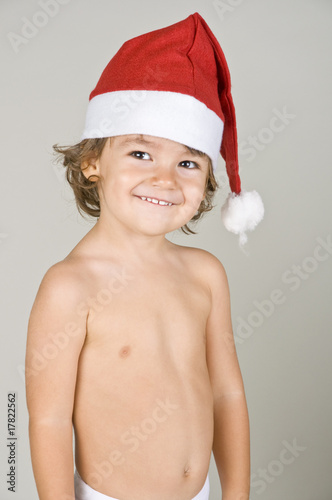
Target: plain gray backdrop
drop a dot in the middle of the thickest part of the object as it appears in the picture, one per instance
(280, 62)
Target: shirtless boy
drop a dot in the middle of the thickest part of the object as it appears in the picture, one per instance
(134, 331)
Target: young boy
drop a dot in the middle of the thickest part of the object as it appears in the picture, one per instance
(130, 336)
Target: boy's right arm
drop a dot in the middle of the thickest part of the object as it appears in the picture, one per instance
(56, 334)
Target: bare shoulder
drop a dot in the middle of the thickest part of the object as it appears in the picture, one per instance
(204, 264)
(64, 276)
(63, 285)
(55, 321)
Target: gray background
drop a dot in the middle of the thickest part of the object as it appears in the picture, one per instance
(279, 57)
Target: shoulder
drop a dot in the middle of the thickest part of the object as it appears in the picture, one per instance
(195, 256)
(63, 283)
(61, 275)
(205, 265)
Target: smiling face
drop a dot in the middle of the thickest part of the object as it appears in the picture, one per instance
(148, 184)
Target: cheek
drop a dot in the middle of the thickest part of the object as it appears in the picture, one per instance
(194, 196)
(114, 182)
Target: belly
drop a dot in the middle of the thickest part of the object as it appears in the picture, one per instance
(144, 416)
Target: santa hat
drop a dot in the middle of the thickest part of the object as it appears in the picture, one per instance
(174, 83)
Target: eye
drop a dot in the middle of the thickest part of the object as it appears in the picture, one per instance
(189, 164)
(140, 155)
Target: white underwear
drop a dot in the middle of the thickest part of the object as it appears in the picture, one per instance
(84, 492)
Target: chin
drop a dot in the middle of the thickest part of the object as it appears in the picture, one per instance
(153, 228)
(156, 231)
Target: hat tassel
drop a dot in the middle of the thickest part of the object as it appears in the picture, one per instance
(242, 212)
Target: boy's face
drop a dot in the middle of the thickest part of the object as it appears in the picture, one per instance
(149, 184)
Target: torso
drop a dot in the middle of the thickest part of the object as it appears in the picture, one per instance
(143, 414)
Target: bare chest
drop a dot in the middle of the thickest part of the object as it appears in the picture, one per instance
(162, 313)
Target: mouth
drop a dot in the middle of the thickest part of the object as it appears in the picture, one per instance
(156, 201)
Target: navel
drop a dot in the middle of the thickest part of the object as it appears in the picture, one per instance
(124, 351)
(186, 471)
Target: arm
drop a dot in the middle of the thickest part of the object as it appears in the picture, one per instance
(56, 335)
(231, 423)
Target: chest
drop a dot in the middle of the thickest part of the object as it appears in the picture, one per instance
(154, 309)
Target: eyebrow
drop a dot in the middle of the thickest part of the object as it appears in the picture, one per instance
(135, 140)
(143, 142)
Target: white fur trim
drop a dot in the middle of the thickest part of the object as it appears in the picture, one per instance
(242, 213)
(170, 115)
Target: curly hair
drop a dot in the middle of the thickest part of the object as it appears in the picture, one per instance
(86, 190)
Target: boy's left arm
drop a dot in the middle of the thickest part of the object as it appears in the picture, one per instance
(231, 444)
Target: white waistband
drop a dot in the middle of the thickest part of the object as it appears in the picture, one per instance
(84, 492)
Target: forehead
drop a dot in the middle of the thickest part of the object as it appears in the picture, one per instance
(123, 141)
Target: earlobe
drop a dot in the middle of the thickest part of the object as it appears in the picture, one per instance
(90, 169)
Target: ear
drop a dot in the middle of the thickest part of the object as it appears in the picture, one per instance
(90, 169)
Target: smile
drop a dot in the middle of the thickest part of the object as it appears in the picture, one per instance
(155, 201)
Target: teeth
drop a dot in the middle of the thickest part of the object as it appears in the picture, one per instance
(155, 201)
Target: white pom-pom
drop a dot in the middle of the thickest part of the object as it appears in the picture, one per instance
(242, 213)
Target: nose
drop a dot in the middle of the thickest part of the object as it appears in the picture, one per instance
(164, 176)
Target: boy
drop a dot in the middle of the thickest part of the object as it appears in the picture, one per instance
(134, 331)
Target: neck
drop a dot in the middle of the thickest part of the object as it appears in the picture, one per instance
(116, 240)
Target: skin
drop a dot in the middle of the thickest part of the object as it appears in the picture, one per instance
(130, 340)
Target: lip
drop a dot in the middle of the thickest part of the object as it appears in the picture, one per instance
(156, 201)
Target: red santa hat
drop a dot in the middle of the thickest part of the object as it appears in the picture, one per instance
(174, 83)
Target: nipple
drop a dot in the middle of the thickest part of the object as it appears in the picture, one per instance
(124, 351)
